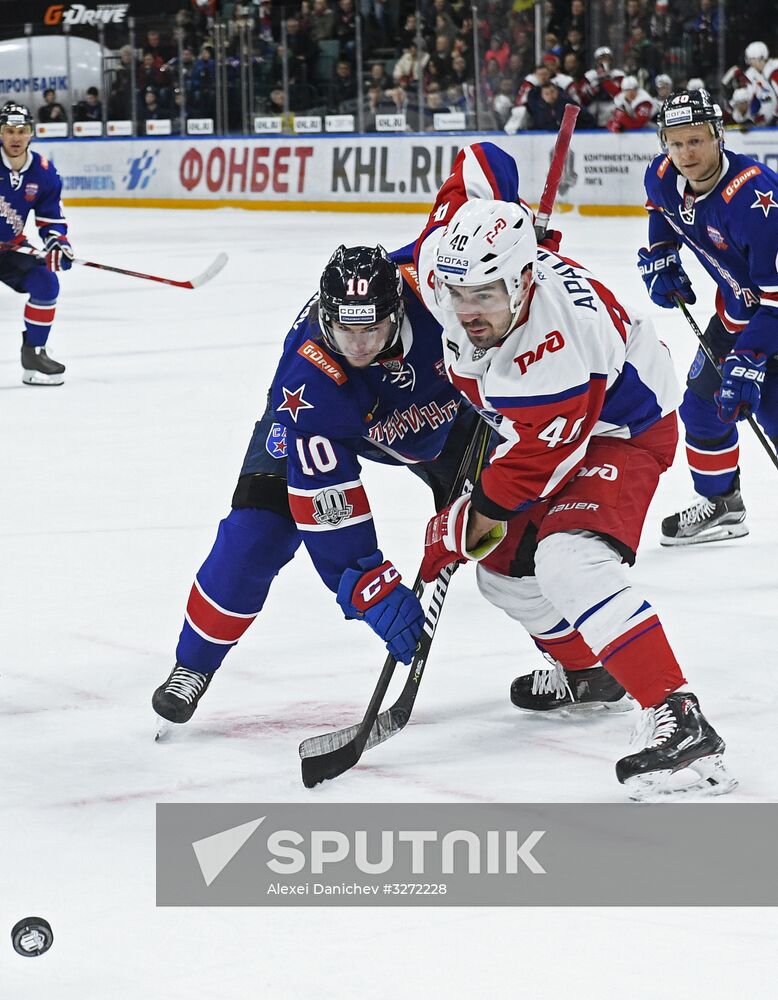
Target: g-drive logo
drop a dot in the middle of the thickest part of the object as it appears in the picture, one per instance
(420, 852)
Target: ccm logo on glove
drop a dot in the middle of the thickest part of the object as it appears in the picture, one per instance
(374, 585)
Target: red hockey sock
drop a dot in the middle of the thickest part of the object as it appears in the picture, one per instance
(571, 650)
(642, 661)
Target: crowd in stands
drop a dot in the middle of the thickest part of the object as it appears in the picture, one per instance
(666, 44)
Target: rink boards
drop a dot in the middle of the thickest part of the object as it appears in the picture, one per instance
(392, 173)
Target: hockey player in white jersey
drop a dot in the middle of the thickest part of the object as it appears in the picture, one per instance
(584, 396)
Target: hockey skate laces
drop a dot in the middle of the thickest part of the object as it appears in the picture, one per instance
(551, 680)
(655, 726)
(186, 684)
(698, 511)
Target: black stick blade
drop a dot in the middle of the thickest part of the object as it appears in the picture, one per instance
(329, 765)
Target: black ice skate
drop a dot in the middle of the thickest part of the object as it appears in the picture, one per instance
(38, 368)
(680, 744)
(177, 699)
(550, 688)
(709, 519)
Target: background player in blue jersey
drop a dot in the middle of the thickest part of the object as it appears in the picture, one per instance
(28, 182)
(719, 204)
(361, 376)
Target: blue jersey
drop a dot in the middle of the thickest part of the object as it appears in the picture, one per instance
(36, 187)
(398, 411)
(733, 233)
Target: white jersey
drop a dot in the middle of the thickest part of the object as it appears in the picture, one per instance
(578, 366)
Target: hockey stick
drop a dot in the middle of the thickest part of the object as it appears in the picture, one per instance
(330, 754)
(709, 355)
(555, 169)
(210, 272)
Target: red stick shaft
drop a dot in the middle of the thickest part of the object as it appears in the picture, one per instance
(557, 166)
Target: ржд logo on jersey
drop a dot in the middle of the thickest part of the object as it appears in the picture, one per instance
(331, 507)
(554, 342)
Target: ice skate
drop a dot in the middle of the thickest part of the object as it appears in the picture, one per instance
(176, 700)
(708, 519)
(552, 689)
(681, 755)
(39, 369)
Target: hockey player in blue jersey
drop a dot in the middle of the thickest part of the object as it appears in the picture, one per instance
(361, 377)
(28, 182)
(719, 204)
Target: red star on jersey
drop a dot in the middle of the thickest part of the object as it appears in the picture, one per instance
(294, 402)
(765, 201)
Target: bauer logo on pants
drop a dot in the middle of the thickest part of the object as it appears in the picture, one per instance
(464, 854)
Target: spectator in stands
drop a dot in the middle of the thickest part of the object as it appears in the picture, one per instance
(634, 17)
(150, 74)
(120, 97)
(204, 83)
(704, 33)
(460, 75)
(573, 43)
(634, 107)
(51, 110)
(345, 27)
(546, 106)
(440, 60)
(577, 19)
(151, 110)
(302, 51)
(90, 109)
(407, 33)
(344, 85)
(409, 65)
(171, 68)
(152, 45)
(378, 77)
(647, 56)
(184, 30)
(665, 30)
(503, 101)
(322, 21)
(499, 50)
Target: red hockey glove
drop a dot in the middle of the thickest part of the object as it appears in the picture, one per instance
(445, 540)
(551, 240)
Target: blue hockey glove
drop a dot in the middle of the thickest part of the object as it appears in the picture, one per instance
(661, 270)
(374, 593)
(742, 378)
(59, 252)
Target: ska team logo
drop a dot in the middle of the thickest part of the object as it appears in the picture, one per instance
(275, 443)
(331, 507)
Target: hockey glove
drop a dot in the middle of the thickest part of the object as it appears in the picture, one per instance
(742, 378)
(660, 269)
(551, 240)
(446, 536)
(374, 593)
(59, 252)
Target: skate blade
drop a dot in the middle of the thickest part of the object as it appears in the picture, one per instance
(582, 710)
(163, 731)
(721, 533)
(712, 778)
(38, 378)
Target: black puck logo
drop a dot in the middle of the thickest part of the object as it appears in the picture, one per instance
(32, 937)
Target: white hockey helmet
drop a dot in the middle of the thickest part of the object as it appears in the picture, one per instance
(629, 83)
(696, 83)
(740, 95)
(487, 241)
(603, 52)
(663, 80)
(756, 52)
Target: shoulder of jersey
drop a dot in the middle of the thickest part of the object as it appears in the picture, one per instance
(658, 168)
(748, 175)
(40, 161)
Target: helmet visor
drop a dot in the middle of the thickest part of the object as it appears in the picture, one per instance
(360, 342)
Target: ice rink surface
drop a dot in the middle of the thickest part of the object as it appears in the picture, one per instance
(111, 492)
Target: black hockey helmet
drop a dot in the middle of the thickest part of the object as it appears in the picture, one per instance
(360, 286)
(15, 114)
(690, 107)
